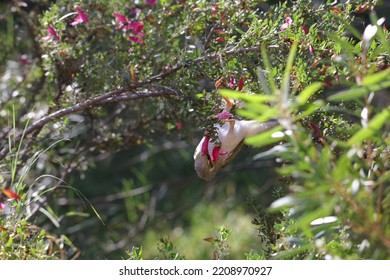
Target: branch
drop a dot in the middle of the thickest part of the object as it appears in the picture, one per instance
(116, 95)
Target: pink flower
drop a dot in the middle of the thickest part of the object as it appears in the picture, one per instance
(224, 115)
(122, 20)
(137, 27)
(136, 40)
(284, 26)
(151, 2)
(52, 33)
(2, 206)
(205, 145)
(120, 17)
(81, 18)
(232, 82)
(216, 153)
(240, 83)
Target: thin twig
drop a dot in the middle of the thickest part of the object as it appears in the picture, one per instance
(104, 98)
(209, 36)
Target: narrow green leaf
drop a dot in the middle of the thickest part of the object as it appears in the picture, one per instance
(288, 254)
(304, 221)
(376, 77)
(308, 91)
(283, 202)
(373, 127)
(238, 95)
(357, 92)
(344, 44)
(287, 71)
(268, 67)
(309, 109)
(266, 138)
(263, 81)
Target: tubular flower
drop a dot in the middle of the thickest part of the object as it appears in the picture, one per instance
(151, 2)
(81, 18)
(287, 24)
(240, 83)
(52, 33)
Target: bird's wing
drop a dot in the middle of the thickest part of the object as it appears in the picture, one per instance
(232, 154)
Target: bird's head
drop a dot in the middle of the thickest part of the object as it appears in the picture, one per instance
(210, 156)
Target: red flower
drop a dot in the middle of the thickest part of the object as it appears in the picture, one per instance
(284, 26)
(205, 145)
(315, 128)
(240, 83)
(122, 19)
(81, 18)
(10, 194)
(311, 49)
(151, 2)
(305, 30)
(52, 33)
(216, 153)
(136, 40)
(136, 26)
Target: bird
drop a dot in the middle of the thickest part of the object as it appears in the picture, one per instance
(210, 156)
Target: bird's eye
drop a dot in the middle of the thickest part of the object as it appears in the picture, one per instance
(209, 162)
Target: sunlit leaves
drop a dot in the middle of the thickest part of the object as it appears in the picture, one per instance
(309, 91)
(373, 127)
(359, 91)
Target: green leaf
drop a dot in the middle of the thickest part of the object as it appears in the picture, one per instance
(266, 138)
(238, 95)
(373, 127)
(287, 71)
(308, 91)
(357, 92)
(309, 110)
(268, 67)
(288, 254)
(376, 77)
(304, 222)
(263, 82)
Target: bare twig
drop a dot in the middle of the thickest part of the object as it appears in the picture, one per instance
(117, 95)
(209, 36)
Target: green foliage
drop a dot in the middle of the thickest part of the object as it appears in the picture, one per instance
(335, 208)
